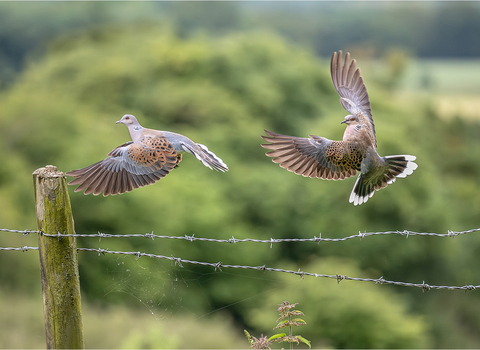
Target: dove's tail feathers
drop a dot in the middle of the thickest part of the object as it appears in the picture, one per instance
(207, 157)
(395, 166)
(401, 166)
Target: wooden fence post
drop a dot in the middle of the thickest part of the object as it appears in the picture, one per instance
(58, 261)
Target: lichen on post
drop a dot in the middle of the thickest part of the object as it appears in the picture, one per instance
(58, 261)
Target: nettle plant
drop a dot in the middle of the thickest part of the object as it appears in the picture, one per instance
(288, 318)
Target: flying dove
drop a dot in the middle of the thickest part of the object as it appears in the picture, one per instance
(150, 156)
(337, 160)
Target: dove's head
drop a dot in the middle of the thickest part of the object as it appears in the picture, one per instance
(128, 120)
(350, 120)
(133, 125)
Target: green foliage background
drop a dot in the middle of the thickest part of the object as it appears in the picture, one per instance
(223, 91)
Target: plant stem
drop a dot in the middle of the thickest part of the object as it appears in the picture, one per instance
(290, 322)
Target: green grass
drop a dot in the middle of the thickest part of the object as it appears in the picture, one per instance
(116, 327)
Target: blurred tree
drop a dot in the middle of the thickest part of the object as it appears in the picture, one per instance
(26, 28)
(426, 29)
(451, 30)
(214, 17)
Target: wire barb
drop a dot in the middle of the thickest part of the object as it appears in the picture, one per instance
(178, 261)
(150, 235)
(425, 287)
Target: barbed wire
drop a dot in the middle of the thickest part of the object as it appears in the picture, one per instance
(219, 265)
(192, 238)
(24, 232)
(23, 249)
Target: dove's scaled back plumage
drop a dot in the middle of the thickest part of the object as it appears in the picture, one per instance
(150, 156)
(337, 160)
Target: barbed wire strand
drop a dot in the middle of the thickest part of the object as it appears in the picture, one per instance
(192, 238)
(24, 232)
(219, 265)
(22, 249)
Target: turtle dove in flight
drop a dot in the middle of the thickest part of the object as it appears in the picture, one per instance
(337, 160)
(150, 156)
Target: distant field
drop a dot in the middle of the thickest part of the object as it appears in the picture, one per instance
(443, 76)
(454, 85)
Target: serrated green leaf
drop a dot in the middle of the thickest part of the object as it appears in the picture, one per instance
(299, 320)
(281, 324)
(275, 336)
(303, 340)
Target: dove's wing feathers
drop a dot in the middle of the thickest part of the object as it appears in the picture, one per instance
(313, 157)
(201, 152)
(349, 84)
(127, 167)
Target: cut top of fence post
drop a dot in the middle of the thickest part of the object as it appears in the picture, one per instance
(49, 188)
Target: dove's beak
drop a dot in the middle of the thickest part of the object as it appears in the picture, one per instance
(342, 122)
(118, 121)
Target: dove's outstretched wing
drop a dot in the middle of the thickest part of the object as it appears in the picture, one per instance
(349, 84)
(129, 166)
(315, 156)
